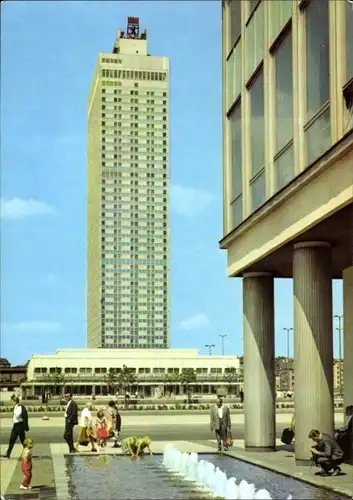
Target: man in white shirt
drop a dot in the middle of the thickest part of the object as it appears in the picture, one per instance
(19, 425)
(220, 422)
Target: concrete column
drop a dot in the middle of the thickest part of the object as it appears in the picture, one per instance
(313, 344)
(259, 378)
(348, 336)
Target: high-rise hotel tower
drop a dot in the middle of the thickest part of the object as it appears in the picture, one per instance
(128, 197)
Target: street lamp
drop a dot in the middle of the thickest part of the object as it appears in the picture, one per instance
(288, 330)
(222, 336)
(210, 347)
(340, 329)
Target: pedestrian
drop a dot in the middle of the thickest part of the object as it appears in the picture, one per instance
(19, 425)
(327, 453)
(136, 446)
(101, 429)
(113, 420)
(71, 419)
(241, 395)
(26, 464)
(220, 423)
(345, 435)
(86, 434)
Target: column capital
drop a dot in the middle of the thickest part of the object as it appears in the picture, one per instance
(257, 275)
(312, 244)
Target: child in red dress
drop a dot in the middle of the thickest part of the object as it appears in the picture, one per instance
(101, 429)
(26, 464)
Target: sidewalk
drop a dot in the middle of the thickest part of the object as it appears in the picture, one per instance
(8, 466)
(282, 461)
(156, 420)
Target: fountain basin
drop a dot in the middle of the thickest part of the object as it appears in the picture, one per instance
(111, 477)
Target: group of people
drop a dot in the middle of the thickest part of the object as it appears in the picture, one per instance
(19, 428)
(107, 425)
(96, 434)
(328, 452)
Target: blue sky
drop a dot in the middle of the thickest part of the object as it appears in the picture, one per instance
(48, 54)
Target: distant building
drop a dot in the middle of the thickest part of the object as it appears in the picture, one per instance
(84, 371)
(338, 377)
(285, 375)
(11, 377)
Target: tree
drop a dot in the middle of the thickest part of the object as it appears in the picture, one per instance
(59, 380)
(188, 377)
(55, 380)
(111, 379)
(125, 379)
(231, 376)
(172, 379)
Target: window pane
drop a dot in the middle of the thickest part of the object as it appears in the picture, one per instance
(235, 21)
(284, 93)
(284, 168)
(259, 45)
(318, 137)
(255, 43)
(237, 211)
(258, 191)
(230, 80)
(286, 7)
(317, 56)
(238, 70)
(349, 40)
(253, 4)
(257, 124)
(236, 151)
(275, 19)
(249, 48)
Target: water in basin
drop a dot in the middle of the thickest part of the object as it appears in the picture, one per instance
(112, 477)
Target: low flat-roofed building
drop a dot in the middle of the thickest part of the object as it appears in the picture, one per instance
(84, 371)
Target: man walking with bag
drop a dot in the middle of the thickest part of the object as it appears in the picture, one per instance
(20, 425)
(220, 423)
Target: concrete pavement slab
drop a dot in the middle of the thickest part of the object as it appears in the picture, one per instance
(239, 443)
(157, 447)
(43, 486)
(282, 461)
(8, 466)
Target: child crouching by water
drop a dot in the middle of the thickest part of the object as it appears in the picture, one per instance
(101, 429)
(26, 464)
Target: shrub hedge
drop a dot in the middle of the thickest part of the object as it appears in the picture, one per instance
(176, 407)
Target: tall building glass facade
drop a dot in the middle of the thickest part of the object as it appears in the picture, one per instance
(287, 94)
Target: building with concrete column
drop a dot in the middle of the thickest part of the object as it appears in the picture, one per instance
(288, 195)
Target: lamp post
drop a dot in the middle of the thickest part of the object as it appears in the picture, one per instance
(340, 329)
(210, 347)
(222, 336)
(288, 330)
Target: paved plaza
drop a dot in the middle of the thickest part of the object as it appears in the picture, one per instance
(50, 480)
